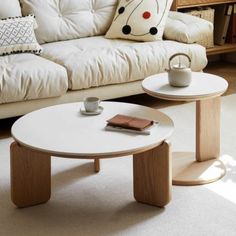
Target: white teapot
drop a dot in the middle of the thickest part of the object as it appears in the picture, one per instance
(179, 75)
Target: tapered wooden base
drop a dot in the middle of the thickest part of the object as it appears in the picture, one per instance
(188, 171)
(30, 176)
(152, 176)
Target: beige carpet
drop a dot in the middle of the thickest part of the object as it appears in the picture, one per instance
(84, 203)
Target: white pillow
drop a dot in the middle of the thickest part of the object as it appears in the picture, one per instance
(17, 35)
(9, 8)
(186, 28)
(69, 19)
(141, 20)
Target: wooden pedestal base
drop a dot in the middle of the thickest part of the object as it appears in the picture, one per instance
(188, 171)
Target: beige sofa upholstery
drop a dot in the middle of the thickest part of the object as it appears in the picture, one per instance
(10, 8)
(77, 60)
(186, 28)
(27, 76)
(69, 19)
(97, 61)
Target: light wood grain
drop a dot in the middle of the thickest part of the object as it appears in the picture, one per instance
(153, 175)
(97, 165)
(208, 129)
(220, 49)
(174, 6)
(30, 176)
(187, 171)
(193, 3)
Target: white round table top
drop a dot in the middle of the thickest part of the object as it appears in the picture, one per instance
(62, 130)
(203, 86)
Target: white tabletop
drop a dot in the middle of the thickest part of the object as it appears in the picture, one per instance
(203, 86)
(62, 130)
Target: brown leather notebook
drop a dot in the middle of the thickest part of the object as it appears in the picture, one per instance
(129, 122)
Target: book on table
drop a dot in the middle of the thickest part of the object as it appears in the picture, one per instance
(124, 123)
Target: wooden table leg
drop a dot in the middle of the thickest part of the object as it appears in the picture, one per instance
(96, 165)
(30, 176)
(203, 166)
(153, 175)
(208, 129)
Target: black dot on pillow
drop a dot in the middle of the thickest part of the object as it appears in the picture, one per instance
(153, 31)
(121, 10)
(126, 29)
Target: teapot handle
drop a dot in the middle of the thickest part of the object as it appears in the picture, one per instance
(179, 54)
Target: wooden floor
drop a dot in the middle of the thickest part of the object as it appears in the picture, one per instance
(224, 69)
(227, 71)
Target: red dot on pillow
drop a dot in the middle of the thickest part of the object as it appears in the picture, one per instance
(146, 15)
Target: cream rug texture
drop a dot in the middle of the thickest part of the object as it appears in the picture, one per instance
(84, 203)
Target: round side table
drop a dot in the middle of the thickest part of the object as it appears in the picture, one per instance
(204, 165)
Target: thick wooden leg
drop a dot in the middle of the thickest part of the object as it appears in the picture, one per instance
(208, 129)
(96, 165)
(30, 176)
(153, 175)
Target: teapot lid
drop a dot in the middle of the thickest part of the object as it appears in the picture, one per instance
(179, 66)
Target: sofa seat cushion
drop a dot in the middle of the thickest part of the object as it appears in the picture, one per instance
(27, 76)
(96, 61)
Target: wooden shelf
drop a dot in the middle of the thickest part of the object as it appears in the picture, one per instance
(183, 4)
(226, 48)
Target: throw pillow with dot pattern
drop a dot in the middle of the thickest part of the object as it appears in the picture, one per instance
(140, 20)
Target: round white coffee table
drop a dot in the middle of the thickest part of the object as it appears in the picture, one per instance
(203, 166)
(63, 132)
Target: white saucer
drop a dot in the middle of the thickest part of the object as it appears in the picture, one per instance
(91, 113)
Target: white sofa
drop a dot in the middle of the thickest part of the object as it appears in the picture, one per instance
(77, 60)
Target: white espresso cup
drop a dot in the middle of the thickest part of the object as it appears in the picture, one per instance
(91, 104)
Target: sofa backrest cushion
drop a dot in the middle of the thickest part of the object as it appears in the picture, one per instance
(69, 19)
(9, 8)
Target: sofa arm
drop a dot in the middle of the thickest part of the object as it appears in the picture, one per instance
(185, 28)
